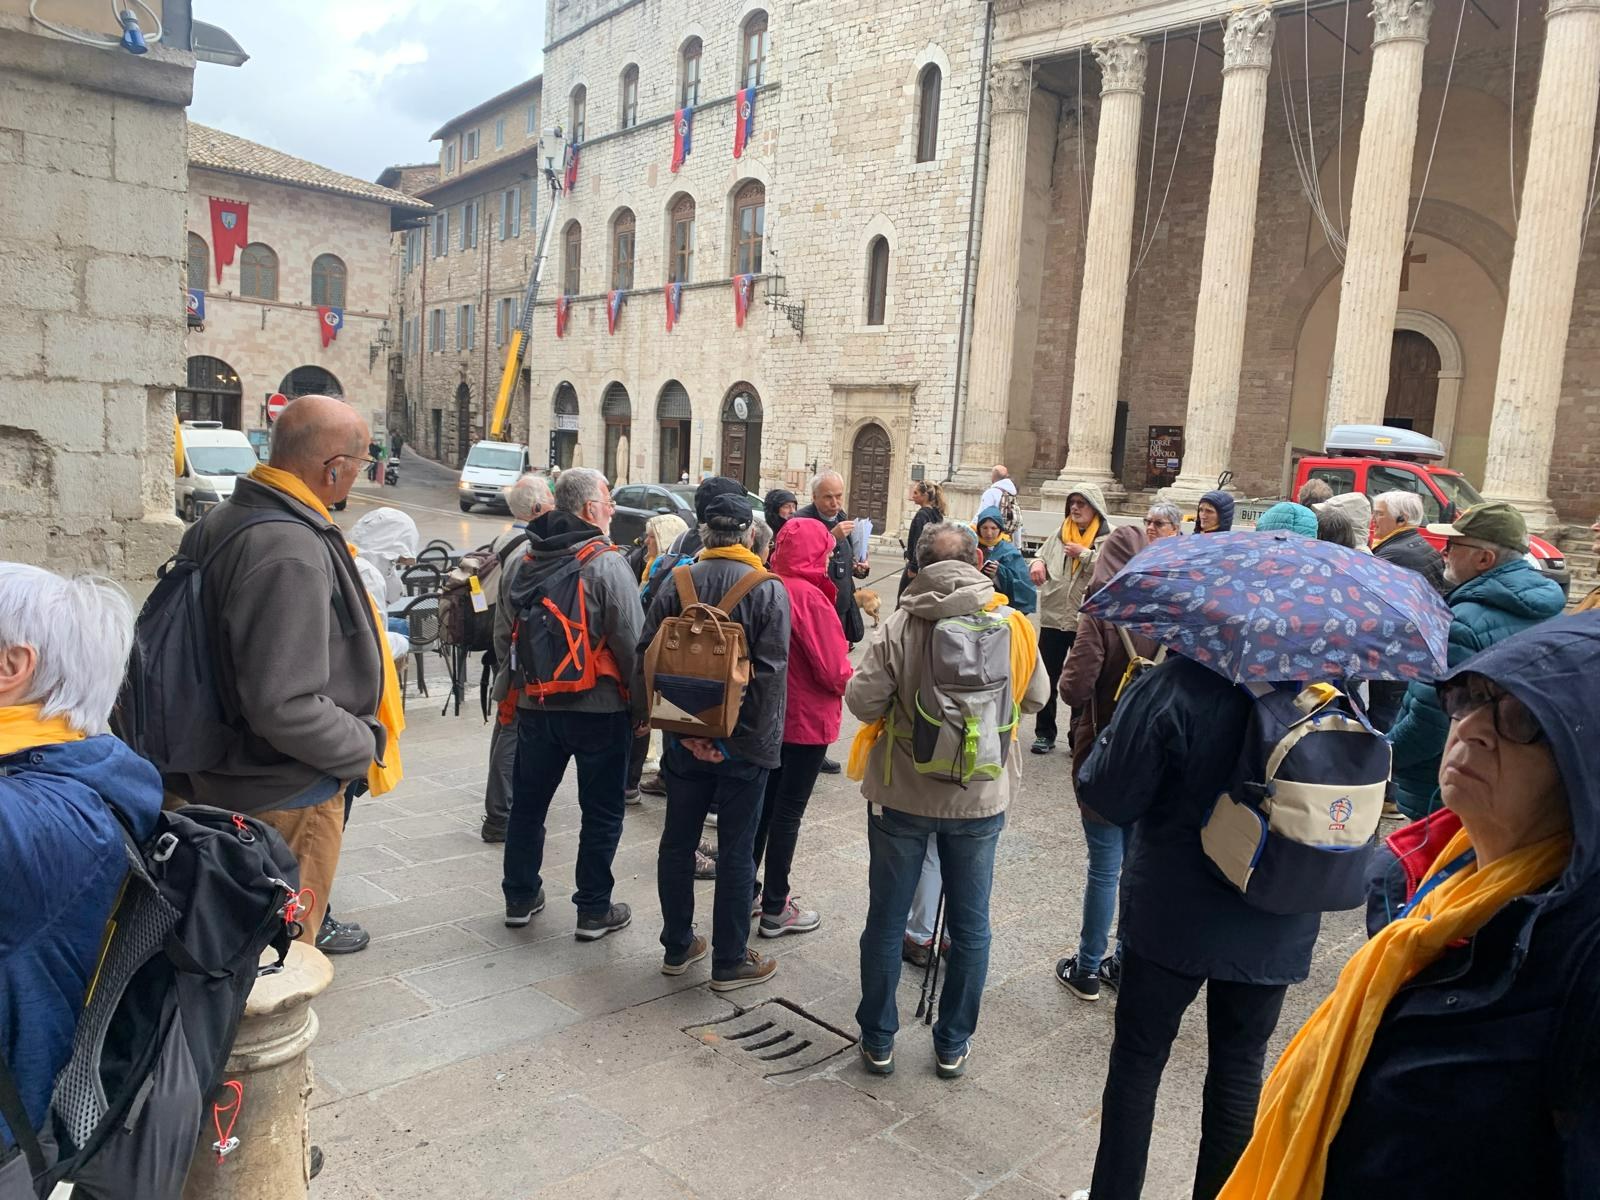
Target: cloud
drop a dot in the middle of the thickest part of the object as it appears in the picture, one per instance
(360, 84)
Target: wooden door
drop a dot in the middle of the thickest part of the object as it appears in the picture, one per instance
(1413, 382)
(734, 436)
(870, 463)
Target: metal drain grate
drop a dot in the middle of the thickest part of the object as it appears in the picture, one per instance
(773, 1039)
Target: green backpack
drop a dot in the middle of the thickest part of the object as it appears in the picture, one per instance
(964, 710)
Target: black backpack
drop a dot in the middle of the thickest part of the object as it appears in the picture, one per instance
(460, 624)
(205, 895)
(171, 709)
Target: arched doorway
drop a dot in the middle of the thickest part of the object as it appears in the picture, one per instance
(871, 457)
(616, 411)
(463, 422)
(564, 430)
(674, 419)
(1413, 382)
(212, 393)
(311, 381)
(741, 436)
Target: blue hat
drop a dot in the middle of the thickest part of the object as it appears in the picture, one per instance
(1296, 518)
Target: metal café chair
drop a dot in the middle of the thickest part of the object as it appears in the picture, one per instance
(435, 555)
(422, 629)
(421, 578)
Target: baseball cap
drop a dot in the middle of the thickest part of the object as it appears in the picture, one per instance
(717, 485)
(729, 512)
(1493, 521)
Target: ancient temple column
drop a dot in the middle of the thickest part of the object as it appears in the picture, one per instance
(1379, 209)
(1107, 255)
(1225, 264)
(994, 326)
(1544, 265)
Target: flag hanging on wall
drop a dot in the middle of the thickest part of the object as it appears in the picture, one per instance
(743, 285)
(744, 120)
(614, 299)
(674, 292)
(330, 320)
(230, 230)
(563, 311)
(572, 167)
(682, 136)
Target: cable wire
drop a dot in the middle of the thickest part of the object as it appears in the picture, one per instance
(1444, 102)
(1183, 123)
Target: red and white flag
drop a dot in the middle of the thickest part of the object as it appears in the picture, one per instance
(744, 120)
(230, 230)
(682, 136)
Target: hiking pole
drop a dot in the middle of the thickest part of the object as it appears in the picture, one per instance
(930, 973)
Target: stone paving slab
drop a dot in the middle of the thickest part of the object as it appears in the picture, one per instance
(460, 1058)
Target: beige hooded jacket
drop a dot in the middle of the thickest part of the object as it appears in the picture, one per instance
(1063, 589)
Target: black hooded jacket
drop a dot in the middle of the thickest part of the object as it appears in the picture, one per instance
(1408, 548)
(1484, 1074)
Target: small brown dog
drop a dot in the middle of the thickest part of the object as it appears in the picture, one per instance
(867, 600)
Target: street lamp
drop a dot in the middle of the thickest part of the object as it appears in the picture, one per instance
(384, 340)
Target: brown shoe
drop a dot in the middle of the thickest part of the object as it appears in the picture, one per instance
(754, 969)
(677, 966)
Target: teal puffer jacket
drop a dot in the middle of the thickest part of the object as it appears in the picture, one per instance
(1486, 610)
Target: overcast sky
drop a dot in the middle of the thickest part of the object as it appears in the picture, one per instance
(358, 85)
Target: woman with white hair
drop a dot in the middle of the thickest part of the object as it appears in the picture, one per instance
(67, 787)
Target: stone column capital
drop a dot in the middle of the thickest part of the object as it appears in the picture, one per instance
(1122, 62)
(1400, 20)
(1010, 88)
(1558, 8)
(1247, 40)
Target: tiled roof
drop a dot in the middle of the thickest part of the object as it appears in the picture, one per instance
(218, 151)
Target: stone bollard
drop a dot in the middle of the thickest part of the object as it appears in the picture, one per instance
(272, 1160)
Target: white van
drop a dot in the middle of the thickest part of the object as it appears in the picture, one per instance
(213, 457)
(491, 468)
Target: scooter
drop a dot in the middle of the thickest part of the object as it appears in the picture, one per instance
(391, 473)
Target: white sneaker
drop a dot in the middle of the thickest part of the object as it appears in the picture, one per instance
(793, 919)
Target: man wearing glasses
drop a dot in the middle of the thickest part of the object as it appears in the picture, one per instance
(1494, 593)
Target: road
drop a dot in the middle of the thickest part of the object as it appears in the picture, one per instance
(427, 493)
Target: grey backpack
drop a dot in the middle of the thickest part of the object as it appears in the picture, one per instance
(964, 710)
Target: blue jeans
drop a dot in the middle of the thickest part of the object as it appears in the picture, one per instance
(735, 788)
(545, 743)
(1107, 845)
(897, 842)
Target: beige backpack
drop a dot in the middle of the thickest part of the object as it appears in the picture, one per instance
(698, 665)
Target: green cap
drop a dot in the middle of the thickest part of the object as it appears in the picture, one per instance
(1494, 522)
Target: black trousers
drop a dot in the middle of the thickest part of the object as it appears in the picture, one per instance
(1240, 1018)
(778, 832)
(1054, 645)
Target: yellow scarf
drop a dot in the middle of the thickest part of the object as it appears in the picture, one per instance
(22, 728)
(1071, 535)
(381, 776)
(1592, 600)
(1306, 1097)
(1392, 533)
(737, 553)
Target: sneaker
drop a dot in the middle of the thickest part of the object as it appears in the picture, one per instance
(594, 926)
(1110, 972)
(754, 969)
(793, 919)
(1085, 985)
(631, 796)
(678, 964)
(493, 834)
(518, 915)
(877, 1062)
(652, 785)
(952, 1066)
(705, 867)
(1043, 745)
(829, 767)
(335, 937)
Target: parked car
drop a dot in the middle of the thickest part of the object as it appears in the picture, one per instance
(213, 457)
(491, 468)
(638, 502)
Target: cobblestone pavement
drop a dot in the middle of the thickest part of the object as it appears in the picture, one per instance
(458, 1058)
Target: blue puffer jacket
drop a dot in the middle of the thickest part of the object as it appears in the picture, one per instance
(61, 863)
(1011, 579)
(1486, 610)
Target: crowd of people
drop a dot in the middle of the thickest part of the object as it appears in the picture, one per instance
(1480, 986)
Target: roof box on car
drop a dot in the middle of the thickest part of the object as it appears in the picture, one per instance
(1383, 441)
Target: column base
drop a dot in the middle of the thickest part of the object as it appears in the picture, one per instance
(1058, 489)
(1539, 513)
(1186, 490)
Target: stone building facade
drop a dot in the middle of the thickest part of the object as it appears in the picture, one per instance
(92, 190)
(317, 239)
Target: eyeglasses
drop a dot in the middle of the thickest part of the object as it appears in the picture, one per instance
(1149, 524)
(359, 459)
(1462, 697)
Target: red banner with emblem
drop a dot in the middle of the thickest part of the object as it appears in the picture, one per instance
(230, 230)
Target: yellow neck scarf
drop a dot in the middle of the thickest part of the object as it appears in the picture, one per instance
(737, 553)
(1306, 1097)
(1592, 600)
(1073, 536)
(22, 728)
(381, 776)
(1392, 533)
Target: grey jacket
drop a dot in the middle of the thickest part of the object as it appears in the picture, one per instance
(612, 595)
(297, 654)
(1063, 590)
(764, 613)
(887, 677)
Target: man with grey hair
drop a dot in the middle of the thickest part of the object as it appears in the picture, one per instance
(1314, 492)
(573, 589)
(1396, 526)
(827, 506)
(1163, 519)
(299, 655)
(66, 789)
(528, 498)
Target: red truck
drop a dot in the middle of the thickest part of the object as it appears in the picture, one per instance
(1373, 459)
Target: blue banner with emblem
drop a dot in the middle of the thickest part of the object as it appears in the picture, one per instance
(196, 305)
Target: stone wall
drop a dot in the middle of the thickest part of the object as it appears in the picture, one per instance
(92, 184)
